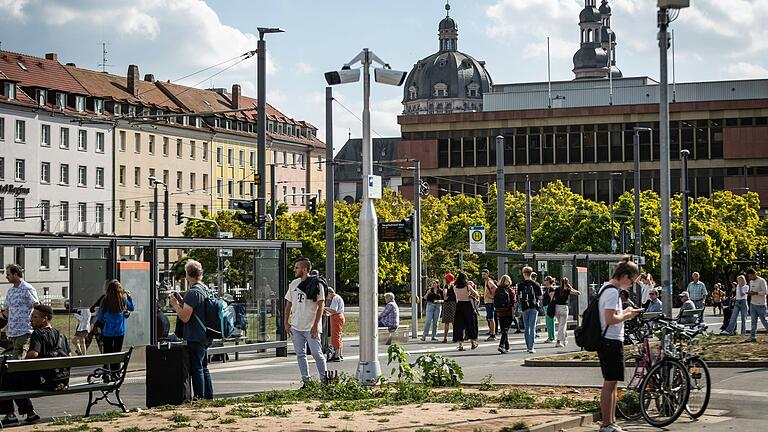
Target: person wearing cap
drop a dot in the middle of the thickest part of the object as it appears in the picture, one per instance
(688, 304)
(489, 291)
(654, 304)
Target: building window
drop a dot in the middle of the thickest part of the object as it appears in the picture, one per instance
(2, 216)
(192, 178)
(252, 159)
(137, 211)
(241, 188)
(285, 158)
(41, 97)
(19, 209)
(302, 196)
(191, 149)
(165, 177)
(123, 139)
(99, 142)
(151, 144)
(9, 90)
(21, 131)
(121, 210)
(45, 135)
(82, 176)
(319, 163)
(137, 176)
(293, 195)
(82, 216)
(64, 215)
(165, 146)
(151, 212)
(2, 171)
(230, 157)
(45, 213)
(178, 148)
(205, 182)
(121, 175)
(303, 161)
(137, 143)
(21, 168)
(99, 177)
(178, 180)
(230, 188)
(18, 256)
(64, 259)
(45, 172)
(218, 156)
(205, 151)
(98, 106)
(64, 174)
(99, 217)
(2, 129)
(285, 194)
(179, 208)
(82, 140)
(192, 210)
(241, 158)
(80, 103)
(219, 186)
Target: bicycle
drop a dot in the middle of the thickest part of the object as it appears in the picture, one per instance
(698, 371)
(635, 367)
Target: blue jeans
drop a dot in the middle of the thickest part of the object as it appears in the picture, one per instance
(300, 341)
(432, 317)
(755, 312)
(198, 370)
(529, 319)
(739, 308)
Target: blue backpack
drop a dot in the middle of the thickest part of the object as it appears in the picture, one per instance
(219, 316)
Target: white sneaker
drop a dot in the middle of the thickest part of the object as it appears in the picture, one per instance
(558, 345)
(611, 428)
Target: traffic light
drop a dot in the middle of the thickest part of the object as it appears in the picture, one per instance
(179, 217)
(249, 212)
(313, 205)
(408, 226)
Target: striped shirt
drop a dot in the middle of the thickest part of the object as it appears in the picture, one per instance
(697, 290)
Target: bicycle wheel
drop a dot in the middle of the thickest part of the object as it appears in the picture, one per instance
(628, 398)
(701, 387)
(664, 392)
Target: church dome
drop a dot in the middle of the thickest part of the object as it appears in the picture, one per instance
(447, 24)
(589, 14)
(590, 57)
(447, 74)
(606, 34)
(605, 9)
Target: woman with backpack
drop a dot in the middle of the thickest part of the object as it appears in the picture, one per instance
(504, 303)
(113, 311)
(465, 321)
(434, 298)
(562, 298)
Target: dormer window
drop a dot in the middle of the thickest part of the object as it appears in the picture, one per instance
(216, 122)
(80, 103)
(473, 90)
(9, 90)
(131, 110)
(271, 127)
(145, 112)
(228, 124)
(290, 130)
(298, 131)
(117, 109)
(61, 100)
(185, 120)
(41, 96)
(98, 106)
(198, 122)
(279, 128)
(412, 92)
(440, 90)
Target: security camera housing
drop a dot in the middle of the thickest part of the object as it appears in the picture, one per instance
(674, 4)
(343, 76)
(389, 76)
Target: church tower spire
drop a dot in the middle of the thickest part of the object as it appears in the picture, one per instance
(448, 32)
(591, 60)
(608, 37)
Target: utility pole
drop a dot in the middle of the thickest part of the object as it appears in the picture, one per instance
(528, 246)
(686, 235)
(638, 227)
(272, 198)
(330, 194)
(415, 250)
(664, 169)
(501, 219)
(610, 200)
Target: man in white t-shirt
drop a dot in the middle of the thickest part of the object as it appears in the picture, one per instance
(758, 291)
(303, 317)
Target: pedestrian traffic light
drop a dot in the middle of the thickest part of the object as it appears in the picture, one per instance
(313, 205)
(179, 217)
(408, 226)
(248, 216)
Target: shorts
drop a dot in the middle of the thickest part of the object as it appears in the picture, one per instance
(611, 357)
(81, 333)
(490, 311)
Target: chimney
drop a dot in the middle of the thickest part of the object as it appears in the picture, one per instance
(149, 78)
(52, 57)
(133, 79)
(235, 96)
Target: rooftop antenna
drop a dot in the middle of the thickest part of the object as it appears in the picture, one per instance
(104, 52)
(549, 79)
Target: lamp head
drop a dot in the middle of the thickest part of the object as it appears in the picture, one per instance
(264, 30)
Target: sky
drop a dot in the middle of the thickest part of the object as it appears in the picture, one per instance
(714, 40)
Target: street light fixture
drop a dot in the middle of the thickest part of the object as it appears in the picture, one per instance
(368, 369)
(261, 122)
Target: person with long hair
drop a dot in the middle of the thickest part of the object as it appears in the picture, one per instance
(435, 298)
(547, 298)
(505, 316)
(113, 311)
(562, 298)
(449, 305)
(465, 321)
(738, 307)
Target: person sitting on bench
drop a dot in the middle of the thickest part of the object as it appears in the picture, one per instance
(390, 316)
(45, 342)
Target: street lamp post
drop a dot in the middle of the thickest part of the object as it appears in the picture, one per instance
(501, 219)
(638, 227)
(368, 369)
(261, 123)
(610, 200)
(684, 187)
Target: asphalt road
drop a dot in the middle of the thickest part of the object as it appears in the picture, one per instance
(739, 398)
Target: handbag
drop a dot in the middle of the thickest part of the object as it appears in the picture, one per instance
(551, 309)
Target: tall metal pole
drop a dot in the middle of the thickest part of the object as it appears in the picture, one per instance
(528, 242)
(638, 247)
(330, 193)
(501, 218)
(610, 200)
(686, 238)
(415, 257)
(166, 222)
(273, 199)
(417, 227)
(155, 213)
(664, 171)
(746, 178)
(368, 369)
(261, 123)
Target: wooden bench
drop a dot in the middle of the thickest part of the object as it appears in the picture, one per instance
(94, 382)
(400, 334)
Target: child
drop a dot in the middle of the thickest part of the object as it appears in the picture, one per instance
(83, 317)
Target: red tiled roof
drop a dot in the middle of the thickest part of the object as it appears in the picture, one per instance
(38, 72)
(275, 115)
(115, 87)
(198, 100)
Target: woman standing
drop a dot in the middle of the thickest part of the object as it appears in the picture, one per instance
(549, 294)
(449, 306)
(505, 316)
(562, 298)
(646, 285)
(739, 307)
(465, 321)
(435, 299)
(113, 311)
(335, 310)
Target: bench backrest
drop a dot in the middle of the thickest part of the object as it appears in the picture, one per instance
(691, 312)
(10, 366)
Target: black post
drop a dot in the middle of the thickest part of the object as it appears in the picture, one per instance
(638, 247)
(527, 214)
(330, 193)
(280, 303)
(273, 194)
(166, 223)
(155, 213)
(261, 147)
(152, 288)
(686, 238)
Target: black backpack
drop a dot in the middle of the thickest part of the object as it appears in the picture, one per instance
(58, 378)
(589, 335)
(502, 301)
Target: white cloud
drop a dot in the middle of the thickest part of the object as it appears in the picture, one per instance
(304, 68)
(13, 8)
(744, 70)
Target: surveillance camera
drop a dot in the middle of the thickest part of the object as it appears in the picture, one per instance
(389, 76)
(268, 218)
(343, 76)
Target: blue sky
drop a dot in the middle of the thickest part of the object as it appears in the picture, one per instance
(715, 39)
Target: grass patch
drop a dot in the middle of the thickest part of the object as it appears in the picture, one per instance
(243, 411)
(517, 426)
(569, 402)
(104, 417)
(515, 399)
(227, 420)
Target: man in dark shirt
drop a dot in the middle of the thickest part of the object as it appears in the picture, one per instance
(45, 342)
(194, 329)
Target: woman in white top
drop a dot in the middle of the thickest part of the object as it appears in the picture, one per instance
(336, 311)
(646, 285)
(739, 307)
(611, 354)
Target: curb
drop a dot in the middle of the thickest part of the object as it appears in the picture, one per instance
(593, 363)
(573, 422)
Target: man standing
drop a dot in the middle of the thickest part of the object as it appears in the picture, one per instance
(489, 290)
(529, 293)
(19, 301)
(757, 291)
(698, 291)
(194, 332)
(304, 303)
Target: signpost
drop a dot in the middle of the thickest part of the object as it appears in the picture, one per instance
(477, 239)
